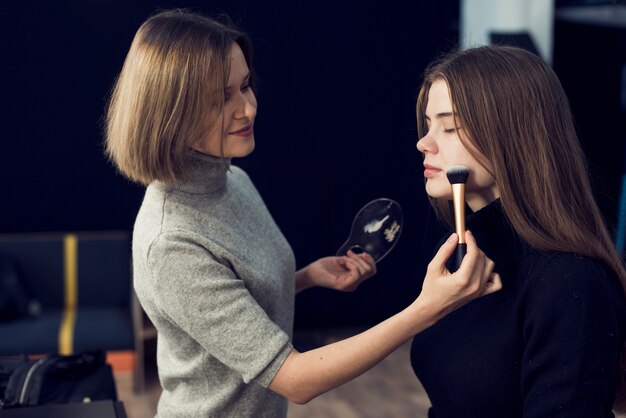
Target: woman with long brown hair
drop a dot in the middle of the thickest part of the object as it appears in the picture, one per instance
(549, 344)
(210, 267)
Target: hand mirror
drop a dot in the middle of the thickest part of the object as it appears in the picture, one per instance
(375, 230)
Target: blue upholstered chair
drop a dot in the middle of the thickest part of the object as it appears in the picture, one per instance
(82, 283)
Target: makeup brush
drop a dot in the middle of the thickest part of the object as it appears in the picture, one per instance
(457, 176)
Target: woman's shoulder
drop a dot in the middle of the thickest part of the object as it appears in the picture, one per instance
(240, 177)
(574, 264)
(571, 266)
(554, 275)
(239, 172)
(242, 182)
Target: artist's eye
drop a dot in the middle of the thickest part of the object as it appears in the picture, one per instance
(450, 131)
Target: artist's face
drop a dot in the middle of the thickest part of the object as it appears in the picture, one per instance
(236, 132)
(445, 145)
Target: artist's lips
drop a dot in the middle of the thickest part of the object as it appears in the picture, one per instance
(245, 131)
(430, 170)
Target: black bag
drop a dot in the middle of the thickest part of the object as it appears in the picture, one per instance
(56, 379)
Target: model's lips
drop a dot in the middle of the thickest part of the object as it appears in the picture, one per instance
(245, 131)
(430, 170)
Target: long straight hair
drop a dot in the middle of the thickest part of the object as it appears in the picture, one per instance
(516, 114)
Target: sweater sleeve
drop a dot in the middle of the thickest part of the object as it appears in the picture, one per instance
(572, 335)
(204, 298)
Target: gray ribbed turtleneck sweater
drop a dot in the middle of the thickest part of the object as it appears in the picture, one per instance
(216, 277)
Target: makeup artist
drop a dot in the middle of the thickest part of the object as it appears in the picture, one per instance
(551, 343)
(211, 268)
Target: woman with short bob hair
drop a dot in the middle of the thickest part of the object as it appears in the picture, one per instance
(549, 344)
(210, 267)
(168, 94)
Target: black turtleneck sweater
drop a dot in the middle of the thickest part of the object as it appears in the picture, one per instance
(547, 345)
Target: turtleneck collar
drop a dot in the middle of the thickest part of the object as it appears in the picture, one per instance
(493, 232)
(205, 175)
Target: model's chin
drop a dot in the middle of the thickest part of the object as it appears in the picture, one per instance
(438, 191)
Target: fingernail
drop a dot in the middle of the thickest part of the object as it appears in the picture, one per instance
(452, 238)
(356, 249)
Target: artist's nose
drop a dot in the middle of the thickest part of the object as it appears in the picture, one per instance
(246, 107)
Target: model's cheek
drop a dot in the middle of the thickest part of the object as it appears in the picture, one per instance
(479, 183)
(484, 179)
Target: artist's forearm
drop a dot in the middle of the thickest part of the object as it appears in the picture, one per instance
(307, 375)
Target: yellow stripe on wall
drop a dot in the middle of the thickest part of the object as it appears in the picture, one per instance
(66, 331)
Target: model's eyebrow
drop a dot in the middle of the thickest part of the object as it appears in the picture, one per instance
(441, 115)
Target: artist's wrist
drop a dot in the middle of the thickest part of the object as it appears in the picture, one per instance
(303, 279)
(425, 313)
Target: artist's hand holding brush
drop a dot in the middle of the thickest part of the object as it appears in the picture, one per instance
(443, 291)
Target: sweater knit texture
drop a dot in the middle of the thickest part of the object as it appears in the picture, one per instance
(216, 277)
(546, 345)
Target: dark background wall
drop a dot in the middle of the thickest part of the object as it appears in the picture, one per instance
(590, 60)
(335, 127)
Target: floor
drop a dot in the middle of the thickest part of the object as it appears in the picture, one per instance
(390, 389)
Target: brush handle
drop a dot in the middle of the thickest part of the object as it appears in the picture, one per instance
(454, 262)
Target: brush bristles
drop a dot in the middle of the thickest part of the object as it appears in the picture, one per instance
(457, 174)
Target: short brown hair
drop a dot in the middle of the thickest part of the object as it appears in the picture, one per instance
(172, 80)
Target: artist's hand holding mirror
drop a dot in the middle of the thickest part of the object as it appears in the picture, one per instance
(375, 230)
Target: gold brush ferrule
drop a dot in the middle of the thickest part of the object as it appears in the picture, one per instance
(458, 196)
